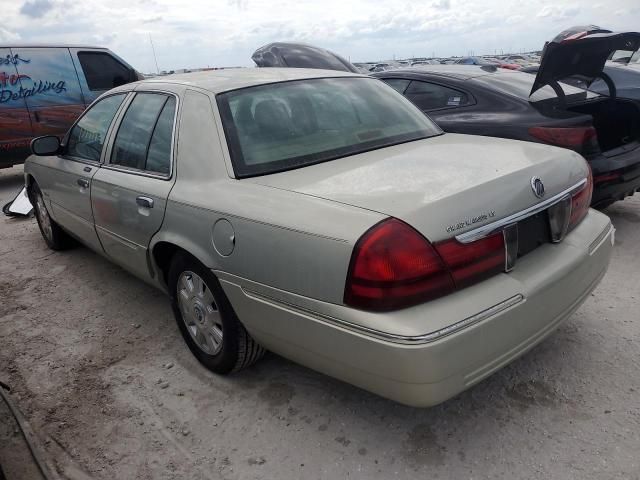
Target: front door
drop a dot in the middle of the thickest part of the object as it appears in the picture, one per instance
(129, 193)
(68, 181)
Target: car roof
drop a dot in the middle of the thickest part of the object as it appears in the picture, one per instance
(462, 72)
(49, 45)
(218, 81)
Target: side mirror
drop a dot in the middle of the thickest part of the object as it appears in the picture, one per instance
(47, 145)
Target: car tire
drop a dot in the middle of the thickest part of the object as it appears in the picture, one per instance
(206, 318)
(54, 236)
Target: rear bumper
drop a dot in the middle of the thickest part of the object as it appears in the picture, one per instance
(426, 354)
(626, 165)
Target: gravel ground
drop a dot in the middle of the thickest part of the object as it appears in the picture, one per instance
(98, 366)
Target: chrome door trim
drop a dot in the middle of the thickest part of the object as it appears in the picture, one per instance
(493, 227)
(121, 239)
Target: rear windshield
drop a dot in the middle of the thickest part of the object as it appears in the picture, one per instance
(518, 84)
(276, 127)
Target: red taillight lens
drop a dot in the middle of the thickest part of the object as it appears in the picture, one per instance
(580, 202)
(584, 138)
(607, 177)
(393, 266)
(473, 262)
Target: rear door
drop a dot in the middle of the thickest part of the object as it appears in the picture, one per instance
(50, 87)
(130, 191)
(15, 126)
(67, 180)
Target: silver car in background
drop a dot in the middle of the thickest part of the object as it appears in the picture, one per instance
(320, 215)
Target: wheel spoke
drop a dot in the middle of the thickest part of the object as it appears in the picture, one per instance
(187, 283)
(216, 336)
(184, 296)
(198, 285)
(209, 301)
(203, 340)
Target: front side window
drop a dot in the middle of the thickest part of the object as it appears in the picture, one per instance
(287, 125)
(143, 141)
(86, 138)
(102, 71)
(430, 96)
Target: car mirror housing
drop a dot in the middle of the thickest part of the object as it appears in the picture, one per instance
(47, 145)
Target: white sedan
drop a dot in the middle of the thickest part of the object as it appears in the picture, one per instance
(320, 215)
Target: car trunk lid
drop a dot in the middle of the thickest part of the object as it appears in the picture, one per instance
(581, 51)
(442, 186)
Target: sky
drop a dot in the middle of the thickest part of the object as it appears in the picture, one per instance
(213, 33)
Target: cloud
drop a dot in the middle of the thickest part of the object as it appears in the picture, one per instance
(153, 20)
(442, 5)
(8, 35)
(36, 8)
(558, 13)
(192, 33)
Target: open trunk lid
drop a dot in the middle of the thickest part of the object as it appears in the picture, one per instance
(442, 186)
(300, 55)
(581, 51)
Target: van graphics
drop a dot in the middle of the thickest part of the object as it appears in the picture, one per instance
(13, 60)
(36, 88)
(39, 95)
(19, 85)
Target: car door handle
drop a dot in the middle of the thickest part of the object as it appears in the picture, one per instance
(145, 202)
(83, 182)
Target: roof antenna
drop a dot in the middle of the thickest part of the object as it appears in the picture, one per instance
(154, 54)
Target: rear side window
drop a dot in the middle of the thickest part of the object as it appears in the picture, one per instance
(430, 96)
(86, 138)
(398, 84)
(143, 141)
(103, 71)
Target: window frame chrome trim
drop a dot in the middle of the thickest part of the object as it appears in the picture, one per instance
(174, 139)
(494, 227)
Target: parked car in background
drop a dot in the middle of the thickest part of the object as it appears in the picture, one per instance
(300, 55)
(489, 101)
(474, 61)
(44, 88)
(504, 63)
(425, 62)
(321, 215)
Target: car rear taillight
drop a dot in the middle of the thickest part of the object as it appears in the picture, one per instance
(471, 262)
(580, 202)
(584, 139)
(607, 177)
(393, 266)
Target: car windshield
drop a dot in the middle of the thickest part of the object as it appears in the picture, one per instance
(519, 84)
(276, 127)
